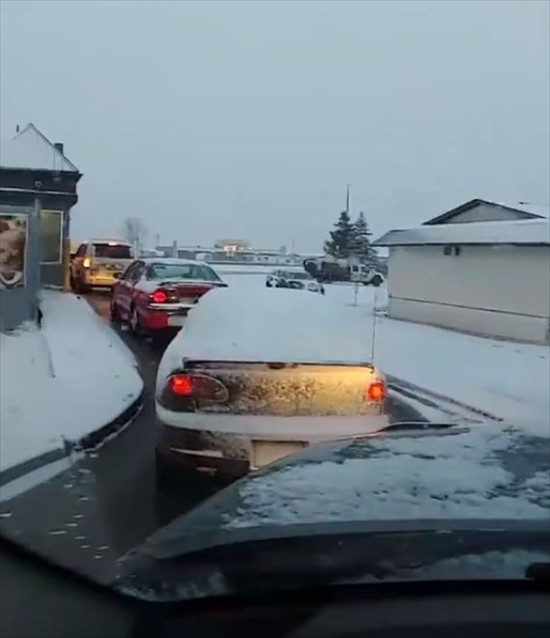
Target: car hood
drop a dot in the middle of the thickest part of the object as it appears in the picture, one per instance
(408, 474)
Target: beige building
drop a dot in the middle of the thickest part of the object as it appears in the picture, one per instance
(482, 268)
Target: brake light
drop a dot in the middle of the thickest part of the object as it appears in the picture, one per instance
(181, 385)
(376, 391)
(199, 386)
(159, 296)
(87, 262)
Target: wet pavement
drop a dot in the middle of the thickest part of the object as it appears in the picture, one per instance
(106, 502)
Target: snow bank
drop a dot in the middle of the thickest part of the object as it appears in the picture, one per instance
(429, 477)
(63, 381)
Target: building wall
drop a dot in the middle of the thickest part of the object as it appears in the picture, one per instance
(20, 303)
(485, 213)
(493, 290)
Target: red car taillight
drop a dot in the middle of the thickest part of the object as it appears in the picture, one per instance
(376, 391)
(198, 386)
(159, 296)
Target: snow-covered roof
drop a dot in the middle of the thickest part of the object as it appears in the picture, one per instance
(526, 232)
(527, 209)
(33, 150)
(250, 323)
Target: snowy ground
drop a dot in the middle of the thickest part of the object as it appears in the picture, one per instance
(507, 380)
(63, 381)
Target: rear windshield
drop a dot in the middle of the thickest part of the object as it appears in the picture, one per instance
(109, 251)
(182, 271)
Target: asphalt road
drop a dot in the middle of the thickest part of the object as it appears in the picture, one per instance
(106, 503)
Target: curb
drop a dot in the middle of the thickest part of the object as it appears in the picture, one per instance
(419, 393)
(86, 443)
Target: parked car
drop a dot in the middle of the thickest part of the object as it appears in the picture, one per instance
(154, 295)
(97, 262)
(296, 280)
(257, 375)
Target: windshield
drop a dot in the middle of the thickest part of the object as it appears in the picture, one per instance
(112, 251)
(310, 290)
(181, 271)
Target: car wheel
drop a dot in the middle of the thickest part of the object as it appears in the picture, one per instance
(82, 288)
(114, 312)
(165, 474)
(135, 324)
(376, 281)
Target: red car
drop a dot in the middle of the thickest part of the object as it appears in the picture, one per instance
(154, 295)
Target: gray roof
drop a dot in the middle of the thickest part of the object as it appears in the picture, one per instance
(31, 149)
(527, 210)
(523, 231)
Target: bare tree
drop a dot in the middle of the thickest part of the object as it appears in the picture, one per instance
(134, 231)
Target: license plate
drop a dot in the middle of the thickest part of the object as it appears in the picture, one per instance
(176, 320)
(264, 452)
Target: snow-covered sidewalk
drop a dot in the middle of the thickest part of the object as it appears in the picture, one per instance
(508, 380)
(61, 382)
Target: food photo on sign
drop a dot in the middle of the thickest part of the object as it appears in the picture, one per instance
(13, 242)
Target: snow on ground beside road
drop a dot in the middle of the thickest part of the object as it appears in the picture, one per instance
(508, 380)
(464, 475)
(63, 381)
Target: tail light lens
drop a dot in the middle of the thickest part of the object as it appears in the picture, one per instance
(87, 262)
(159, 296)
(376, 391)
(198, 386)
(181, 385)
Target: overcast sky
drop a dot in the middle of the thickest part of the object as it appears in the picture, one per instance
(247, 119)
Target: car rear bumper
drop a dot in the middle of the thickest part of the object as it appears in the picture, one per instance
(99, 281)
(224, 445)
(155, 319)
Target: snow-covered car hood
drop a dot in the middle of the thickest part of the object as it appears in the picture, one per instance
(487, 472)
(455, 503)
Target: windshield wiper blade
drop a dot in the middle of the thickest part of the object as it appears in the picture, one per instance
(419, 425)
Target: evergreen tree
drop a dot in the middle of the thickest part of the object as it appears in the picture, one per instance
(342, 238)
(362, 247)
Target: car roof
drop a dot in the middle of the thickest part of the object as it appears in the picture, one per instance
(107, 240)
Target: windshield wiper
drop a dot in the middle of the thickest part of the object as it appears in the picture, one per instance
(418, 425)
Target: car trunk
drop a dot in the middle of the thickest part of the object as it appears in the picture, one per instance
(184, 291)
(278, 389)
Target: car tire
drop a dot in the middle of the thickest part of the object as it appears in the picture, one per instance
(135, 324)
(114, 314)
(376, 281)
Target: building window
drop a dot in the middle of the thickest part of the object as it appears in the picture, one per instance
(457, 250)
(447, 250)
(51, 236)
